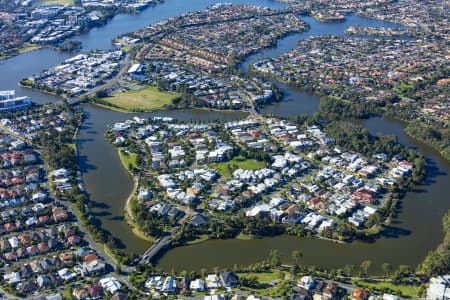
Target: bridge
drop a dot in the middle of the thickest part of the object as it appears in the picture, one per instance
(156, 248)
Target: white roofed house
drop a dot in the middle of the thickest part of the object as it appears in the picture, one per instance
(439, 288)
(213, 281)
(169, 285)
(144, 195)
(197, 285)
(136, 69)
(14, 242)
(39, 196)
(280, 162)
(60, 172)
(259, 209)
(307, 282)
(12, 277)
(154, 283)
(177, 152)
(110, 284)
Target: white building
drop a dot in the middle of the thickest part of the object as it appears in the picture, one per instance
(110, 284)
(9, 101)
(439, 288)
(197, 285)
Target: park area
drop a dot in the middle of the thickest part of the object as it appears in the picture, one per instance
(144, 99)
(239, 162)
(129, 160)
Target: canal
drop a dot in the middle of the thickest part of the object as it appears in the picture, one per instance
(107, 181)
(413, 234)
(416, 231)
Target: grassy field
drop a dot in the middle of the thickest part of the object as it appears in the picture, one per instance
(145, 99)
(29, 47)
(245, 237)
(56, 2)
(225, 168)
(202, 238)
(67, 293)
(405, 290)
(126, 48)
(128, 160)
(265, 277)
(109, 253)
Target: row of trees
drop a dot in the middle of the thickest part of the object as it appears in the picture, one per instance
(431, 134)
(337, 109)
(437, 262)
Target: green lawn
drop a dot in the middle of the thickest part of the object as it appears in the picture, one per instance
(128, 160)
(245, 237)
(200, 239)
(126, 48)
(265, 277)
(225, 168)
(405, 290)
(149, 98)
(247, 164)
(109, 253)
(67, 293)
(222, 168)
(28, 48)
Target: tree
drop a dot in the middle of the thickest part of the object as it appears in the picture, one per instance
(365, 266)
(118, 269)
(402, 271)
(251, 281)
(101, 94)
(274, 258)
(373, 220)
(387, 268)
(349, 270)
(203, 273)
(296, 256)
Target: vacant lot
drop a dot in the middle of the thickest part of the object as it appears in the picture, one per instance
(148, 98)
(409, 291)
(239, 162)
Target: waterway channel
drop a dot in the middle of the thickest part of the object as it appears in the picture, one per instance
(414, 233)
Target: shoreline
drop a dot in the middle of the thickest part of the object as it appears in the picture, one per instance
(200, 239)
(128, 215)
(121, 110)
(24, 50)
(54, 94)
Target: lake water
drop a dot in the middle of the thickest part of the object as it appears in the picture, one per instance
(414, 233)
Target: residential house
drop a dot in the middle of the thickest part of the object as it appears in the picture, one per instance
(229, 279)
(169, 285)
(213, 281)
(110, 284)
(197, 285)
(359, 294)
